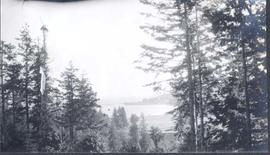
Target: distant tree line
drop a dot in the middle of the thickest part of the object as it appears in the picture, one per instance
(134, 136)
(215, 54)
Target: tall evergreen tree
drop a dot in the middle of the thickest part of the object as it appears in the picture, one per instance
(113, 139)
(176, 31)
(69, 84)
(145, 140)
(120, 118)
(79, 115)
(268, 62)
(134, 144)
(115, 118)
(123, 117)
(187, 59)
(157, 136)
(10, 70)
(239, 26)
(27, 49)
(14, 121)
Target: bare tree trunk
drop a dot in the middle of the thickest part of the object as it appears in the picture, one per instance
(71, 134)
(27, 103)
(268, 62)
(245, 79)
(71, 125)
(190, 79)
(27, 107)
(200, 81)
(27, 122)
(3, 104)
(13, 107)
(196, 115)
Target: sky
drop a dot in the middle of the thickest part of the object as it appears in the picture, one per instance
(101, 37)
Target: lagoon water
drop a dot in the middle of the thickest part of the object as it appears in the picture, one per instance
(155, 115)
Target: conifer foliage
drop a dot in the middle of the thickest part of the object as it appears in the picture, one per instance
(214, 53)
(210, 55)
(34, 113)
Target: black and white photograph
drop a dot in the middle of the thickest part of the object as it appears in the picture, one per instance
(134, 76)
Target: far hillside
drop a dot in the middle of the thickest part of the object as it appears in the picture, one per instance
(162, 99)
